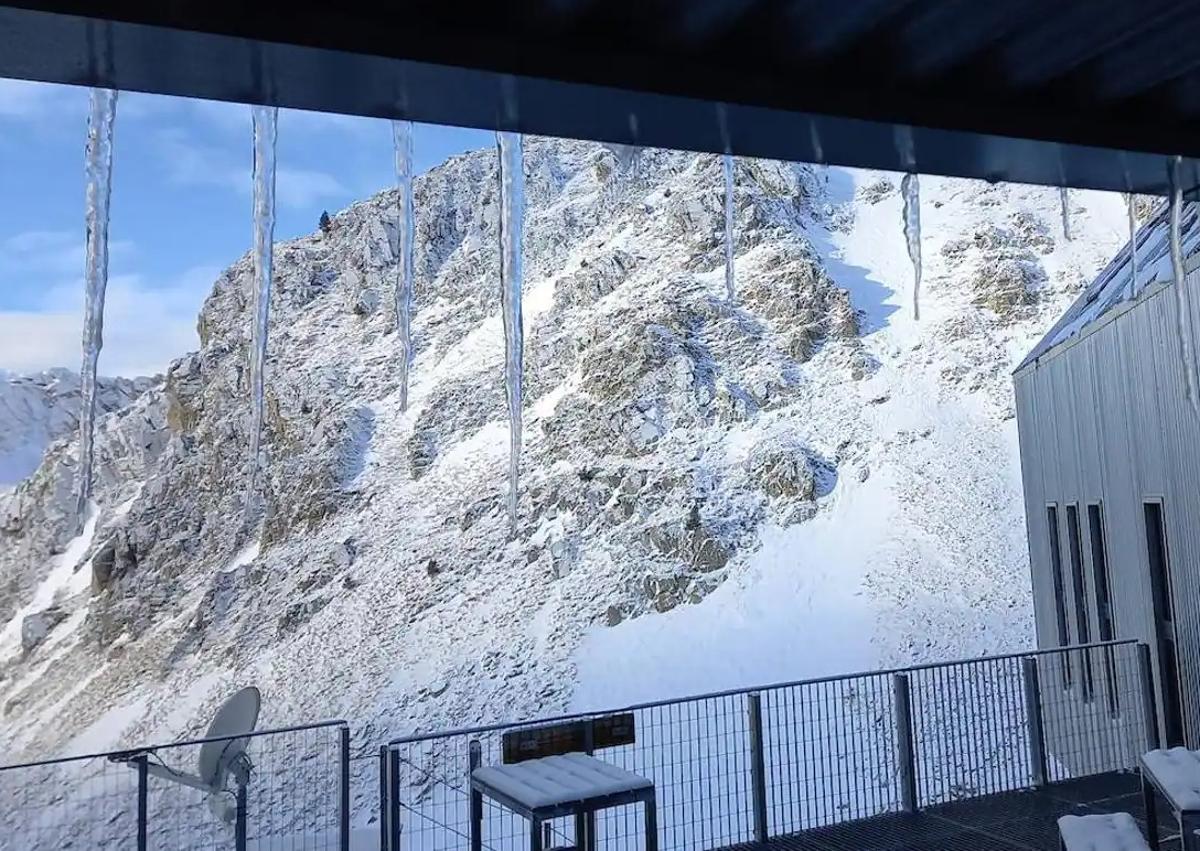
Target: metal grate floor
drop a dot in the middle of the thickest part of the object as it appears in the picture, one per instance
(1012, 821)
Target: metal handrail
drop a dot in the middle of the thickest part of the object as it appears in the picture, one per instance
(297, 728)
(653, 704)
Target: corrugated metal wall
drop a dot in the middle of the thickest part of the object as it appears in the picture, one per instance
(1104, 419)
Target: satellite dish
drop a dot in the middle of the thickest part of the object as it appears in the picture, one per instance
(238, 714)
(219, 760)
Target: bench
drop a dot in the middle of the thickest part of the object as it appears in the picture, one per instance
(573, 784)
(1175, 774)
(549, 772)
(1105, 832)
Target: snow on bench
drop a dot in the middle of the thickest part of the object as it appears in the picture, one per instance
(1176, 773)
(1107, 832)
(554, 780)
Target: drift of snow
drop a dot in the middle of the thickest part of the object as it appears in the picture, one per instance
(512, 211)
(265, 125)
(403, 141)
(727, 171)
(99, 193)
(1183, 301)
(1064, 201)
(910, 188)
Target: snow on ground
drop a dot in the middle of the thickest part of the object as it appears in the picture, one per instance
(63, 578)
(798, 611)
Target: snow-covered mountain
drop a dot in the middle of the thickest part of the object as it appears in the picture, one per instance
(713, 494)
(38, 409)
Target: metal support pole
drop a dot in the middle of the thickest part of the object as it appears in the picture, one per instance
(143, 801)
(588, 841)
(905, 753)
(344, 789)
(239, 824)
(394, 799)
(1149, 710)
(758, 771)
(384, 816)
(1034, 719)
(474, 759)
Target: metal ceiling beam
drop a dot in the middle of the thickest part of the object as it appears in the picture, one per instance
(1164, 54)
(1071, 35)
(582, 70)
(947, 35)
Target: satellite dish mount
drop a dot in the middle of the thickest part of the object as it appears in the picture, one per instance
(222, 761)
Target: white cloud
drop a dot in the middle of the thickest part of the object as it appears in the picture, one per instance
(145, 327)
(297, 187)
(189, 163)
(50, 254)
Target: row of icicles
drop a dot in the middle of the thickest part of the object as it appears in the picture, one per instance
(511, 176)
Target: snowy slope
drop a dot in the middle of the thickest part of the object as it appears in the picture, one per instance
(37, 409)
(801, 482)
(919, 552)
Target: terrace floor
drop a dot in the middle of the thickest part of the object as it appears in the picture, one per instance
(1025, 820)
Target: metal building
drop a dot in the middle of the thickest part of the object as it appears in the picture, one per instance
(1110, 466)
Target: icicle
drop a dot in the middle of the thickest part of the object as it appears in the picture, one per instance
(403, 140)
(1133, 269)
(512, 212)
(1183, 305)
(99, 192)
(265, 119)
(910, 189)
(814, 136)
(1064, 200)
(727, 170)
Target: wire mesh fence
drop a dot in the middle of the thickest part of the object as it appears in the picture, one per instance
(292, 794)
(832, 750)
(696, 752)
(1098, 720)
(729, 768)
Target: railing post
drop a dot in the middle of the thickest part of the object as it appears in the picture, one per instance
(344, 790)
(474, 760)
(143, 773)
(758, 771)
(385, 817)
(239, 824)
(1034, 720)
(1149, 710)
(393, 799)
(905, 753)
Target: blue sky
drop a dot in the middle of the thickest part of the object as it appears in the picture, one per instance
(180, 211)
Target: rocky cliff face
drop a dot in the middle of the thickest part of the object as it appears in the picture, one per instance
(667, 431)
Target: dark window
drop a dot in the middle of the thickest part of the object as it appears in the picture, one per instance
(1104, 613)
(1158, 557)
(1060, 594)
(1082, 627)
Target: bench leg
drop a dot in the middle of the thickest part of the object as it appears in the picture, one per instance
(1187, 827)
(476, 820)
(580, 831)
(535, 835)
(1148, 805)
(651, 809)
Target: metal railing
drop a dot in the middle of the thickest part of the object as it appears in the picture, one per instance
(729, 767)
(297, 797)
(746, 765)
